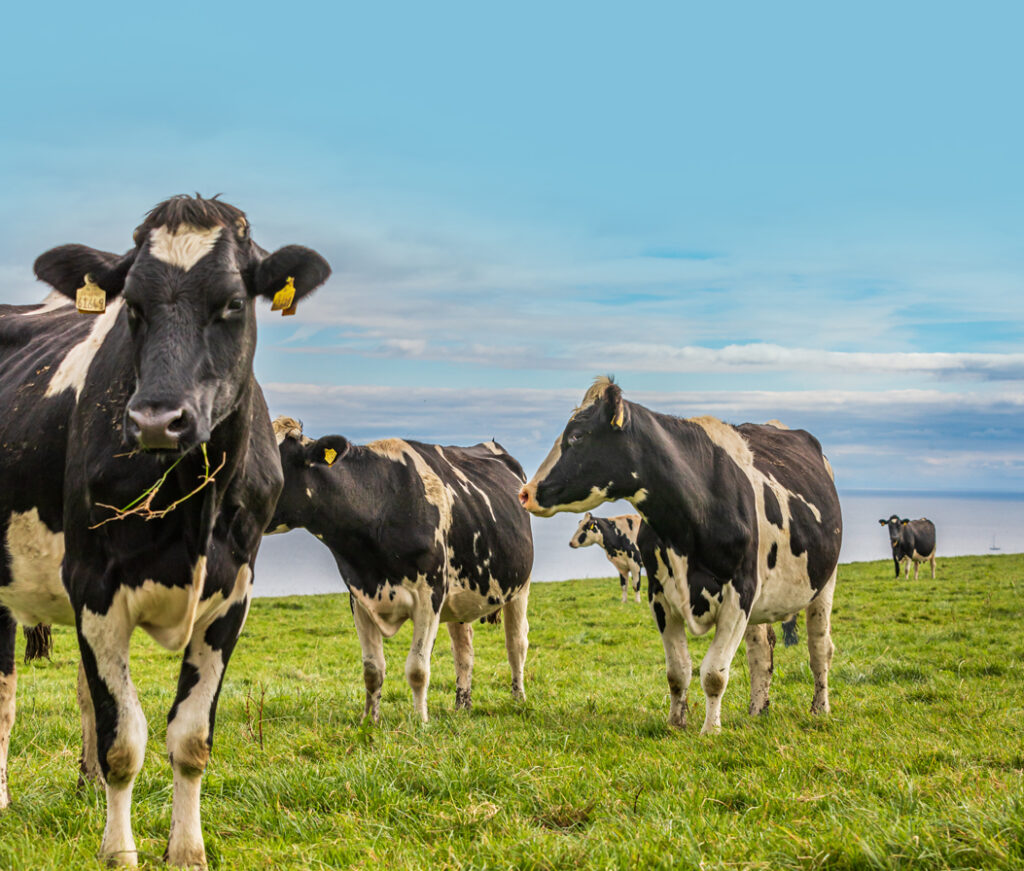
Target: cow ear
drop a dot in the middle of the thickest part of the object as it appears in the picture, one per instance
(327, 451)
(587, 516)
(618, 410)
(64, 268)
(882, 522)
(290, 268)
(904, 521)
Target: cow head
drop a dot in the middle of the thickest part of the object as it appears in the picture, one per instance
(592, 460)
(896, 526)
(587, 533)
(187, 293)
(305, 462)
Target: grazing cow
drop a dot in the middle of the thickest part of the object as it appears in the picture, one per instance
(747, 523)
(911, 540)
(150, 406)
(617, 536)
(423, 532)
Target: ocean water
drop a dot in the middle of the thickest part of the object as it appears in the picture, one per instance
(296, 563)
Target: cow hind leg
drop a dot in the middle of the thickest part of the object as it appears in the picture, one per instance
(103, 640)
(678, 665)
(425, 623)
(190, 726)
(760, 659)
(88, 762)
(819, 643)
(624, 585)
(462, 651)
(636, 584)
(517, 641)
(8, 692)
(931, 559)
(372, 644)
(790, 636)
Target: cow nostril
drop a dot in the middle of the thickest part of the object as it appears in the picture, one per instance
(179, 424)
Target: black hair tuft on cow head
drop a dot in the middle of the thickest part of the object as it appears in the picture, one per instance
(327, 451)
(618, 411)
(64, 268)
(304, 265)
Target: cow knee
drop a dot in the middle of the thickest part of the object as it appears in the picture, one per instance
(713, 681)
(373, 676)
(189, 753)
(416, 674)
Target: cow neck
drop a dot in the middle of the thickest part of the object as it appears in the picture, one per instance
(674, 460)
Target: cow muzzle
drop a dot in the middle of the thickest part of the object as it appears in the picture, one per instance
(528, 499)
(155, 428)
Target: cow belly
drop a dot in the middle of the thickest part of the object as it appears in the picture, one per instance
(392, 604)
(34, 553)
(782, 594)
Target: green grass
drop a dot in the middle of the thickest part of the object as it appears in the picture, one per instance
(919, 765)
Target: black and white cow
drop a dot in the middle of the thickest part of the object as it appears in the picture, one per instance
(747, 525)
(911, 540)
(617, 537)
(96, 408)
(422, 532)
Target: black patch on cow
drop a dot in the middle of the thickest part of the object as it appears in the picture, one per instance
(659, 615)
(772, 509)
(8, 640)
(773, 555)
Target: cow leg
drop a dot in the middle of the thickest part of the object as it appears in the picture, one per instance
(624, 584)
(517, 641)
(191, 720)
(760, 652)
(103, 640)
(917, 565)
(372, 644)
(8, 691)
(88, 762)
(819, 643)
(932, 560)
(462, 651)
(789, 634)
(425, 623)
(636, 584)
(714, 670)
(678, 666)
(897, 564)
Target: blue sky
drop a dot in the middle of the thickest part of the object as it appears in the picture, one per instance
(792, 211)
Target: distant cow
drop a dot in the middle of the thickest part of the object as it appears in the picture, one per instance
(911, 540)
(749, 529)
(149, 405)
(423, 532)
(617, 537)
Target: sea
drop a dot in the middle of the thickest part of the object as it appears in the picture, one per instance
(296, 563)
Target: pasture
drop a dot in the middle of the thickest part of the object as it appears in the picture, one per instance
(920, 764)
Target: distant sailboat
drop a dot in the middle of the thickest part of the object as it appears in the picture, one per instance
(994, 545)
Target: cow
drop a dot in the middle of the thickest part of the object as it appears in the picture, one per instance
(419, 531)
(138, 470)
(617, 537)
(747, 525)
(911, 540)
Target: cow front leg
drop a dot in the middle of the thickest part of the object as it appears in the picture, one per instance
(714, 670)
(120, 724)
(636, 584)
(88, 762)
(917, 566)
(462, 652)
(678, 666)
(8, 693)
(624, 585)
(372, 644)
(932, 560)
(819, 643)
(760, 653)
(517, 640)
(190, 727)
(425, 623)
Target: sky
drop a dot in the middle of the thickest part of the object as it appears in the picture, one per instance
(797, 211)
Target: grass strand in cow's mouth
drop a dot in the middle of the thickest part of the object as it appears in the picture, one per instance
(142, 505)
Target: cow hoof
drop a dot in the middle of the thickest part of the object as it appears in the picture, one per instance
(463, 700)
(121, 858)
(758, 710)
(190, 857)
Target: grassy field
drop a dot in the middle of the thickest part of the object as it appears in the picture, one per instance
(918, 766)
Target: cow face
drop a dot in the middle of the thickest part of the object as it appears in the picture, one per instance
(186, 294)
(895, 526)
(591, 462)
(587, 533)
(305, 464)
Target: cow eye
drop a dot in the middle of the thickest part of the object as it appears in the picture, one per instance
(233, 306)
(575, 437)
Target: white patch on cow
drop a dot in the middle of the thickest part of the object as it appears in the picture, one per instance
(638, 497)
(494, 449)
(676, 591)
(34, 554)
(73, 369)
(54, 300)
(8, 693)
(434, 489)
(281, 527)
(309, 493)
(185, 246)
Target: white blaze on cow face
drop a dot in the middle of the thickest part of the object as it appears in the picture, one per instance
(34, 554)
(183, 247)
(73, 369)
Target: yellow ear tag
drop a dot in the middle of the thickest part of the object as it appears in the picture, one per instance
(330, 455)
(284, 299)
(90, 298)
(617, 423)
